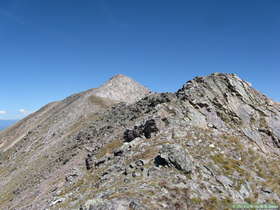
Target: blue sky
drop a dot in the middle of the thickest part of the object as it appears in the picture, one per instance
(53, 48)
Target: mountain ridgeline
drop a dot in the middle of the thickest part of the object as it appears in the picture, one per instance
(213, 143)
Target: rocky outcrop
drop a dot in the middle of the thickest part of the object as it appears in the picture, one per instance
(229, 103)
(143, 130)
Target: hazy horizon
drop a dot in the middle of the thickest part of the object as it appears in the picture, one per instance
(6, 123)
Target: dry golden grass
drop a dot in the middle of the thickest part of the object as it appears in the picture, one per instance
(103, 102)
(109, 148)
(229, 165)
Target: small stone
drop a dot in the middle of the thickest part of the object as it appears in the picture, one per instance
(89, 162)
(71, 177)
(210, 125)
(224, 180)
(266, 190)
(100, 162)
(139, 163)
(189, 144)
(59, 200)
(118, 153)
(244, 191)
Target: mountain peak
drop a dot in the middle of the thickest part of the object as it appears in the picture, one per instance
(119, 76)
(122, 88)
(120, 79)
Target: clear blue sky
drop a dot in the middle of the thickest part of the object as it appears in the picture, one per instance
(53, 48)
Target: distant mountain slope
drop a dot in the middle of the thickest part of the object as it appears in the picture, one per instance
(6, 123)
(212, 143)
(59, 119)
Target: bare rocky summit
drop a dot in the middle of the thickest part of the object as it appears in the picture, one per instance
(122, 88)
(214, 142)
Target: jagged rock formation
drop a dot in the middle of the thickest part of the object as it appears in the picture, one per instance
(231, 104)
(212, 143)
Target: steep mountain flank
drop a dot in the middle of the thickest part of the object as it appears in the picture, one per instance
(61, 118)
(212, 143)
(40, 135)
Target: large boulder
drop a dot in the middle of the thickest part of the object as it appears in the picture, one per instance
(174, 155)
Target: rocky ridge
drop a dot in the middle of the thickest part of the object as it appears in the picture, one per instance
(212, 143)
